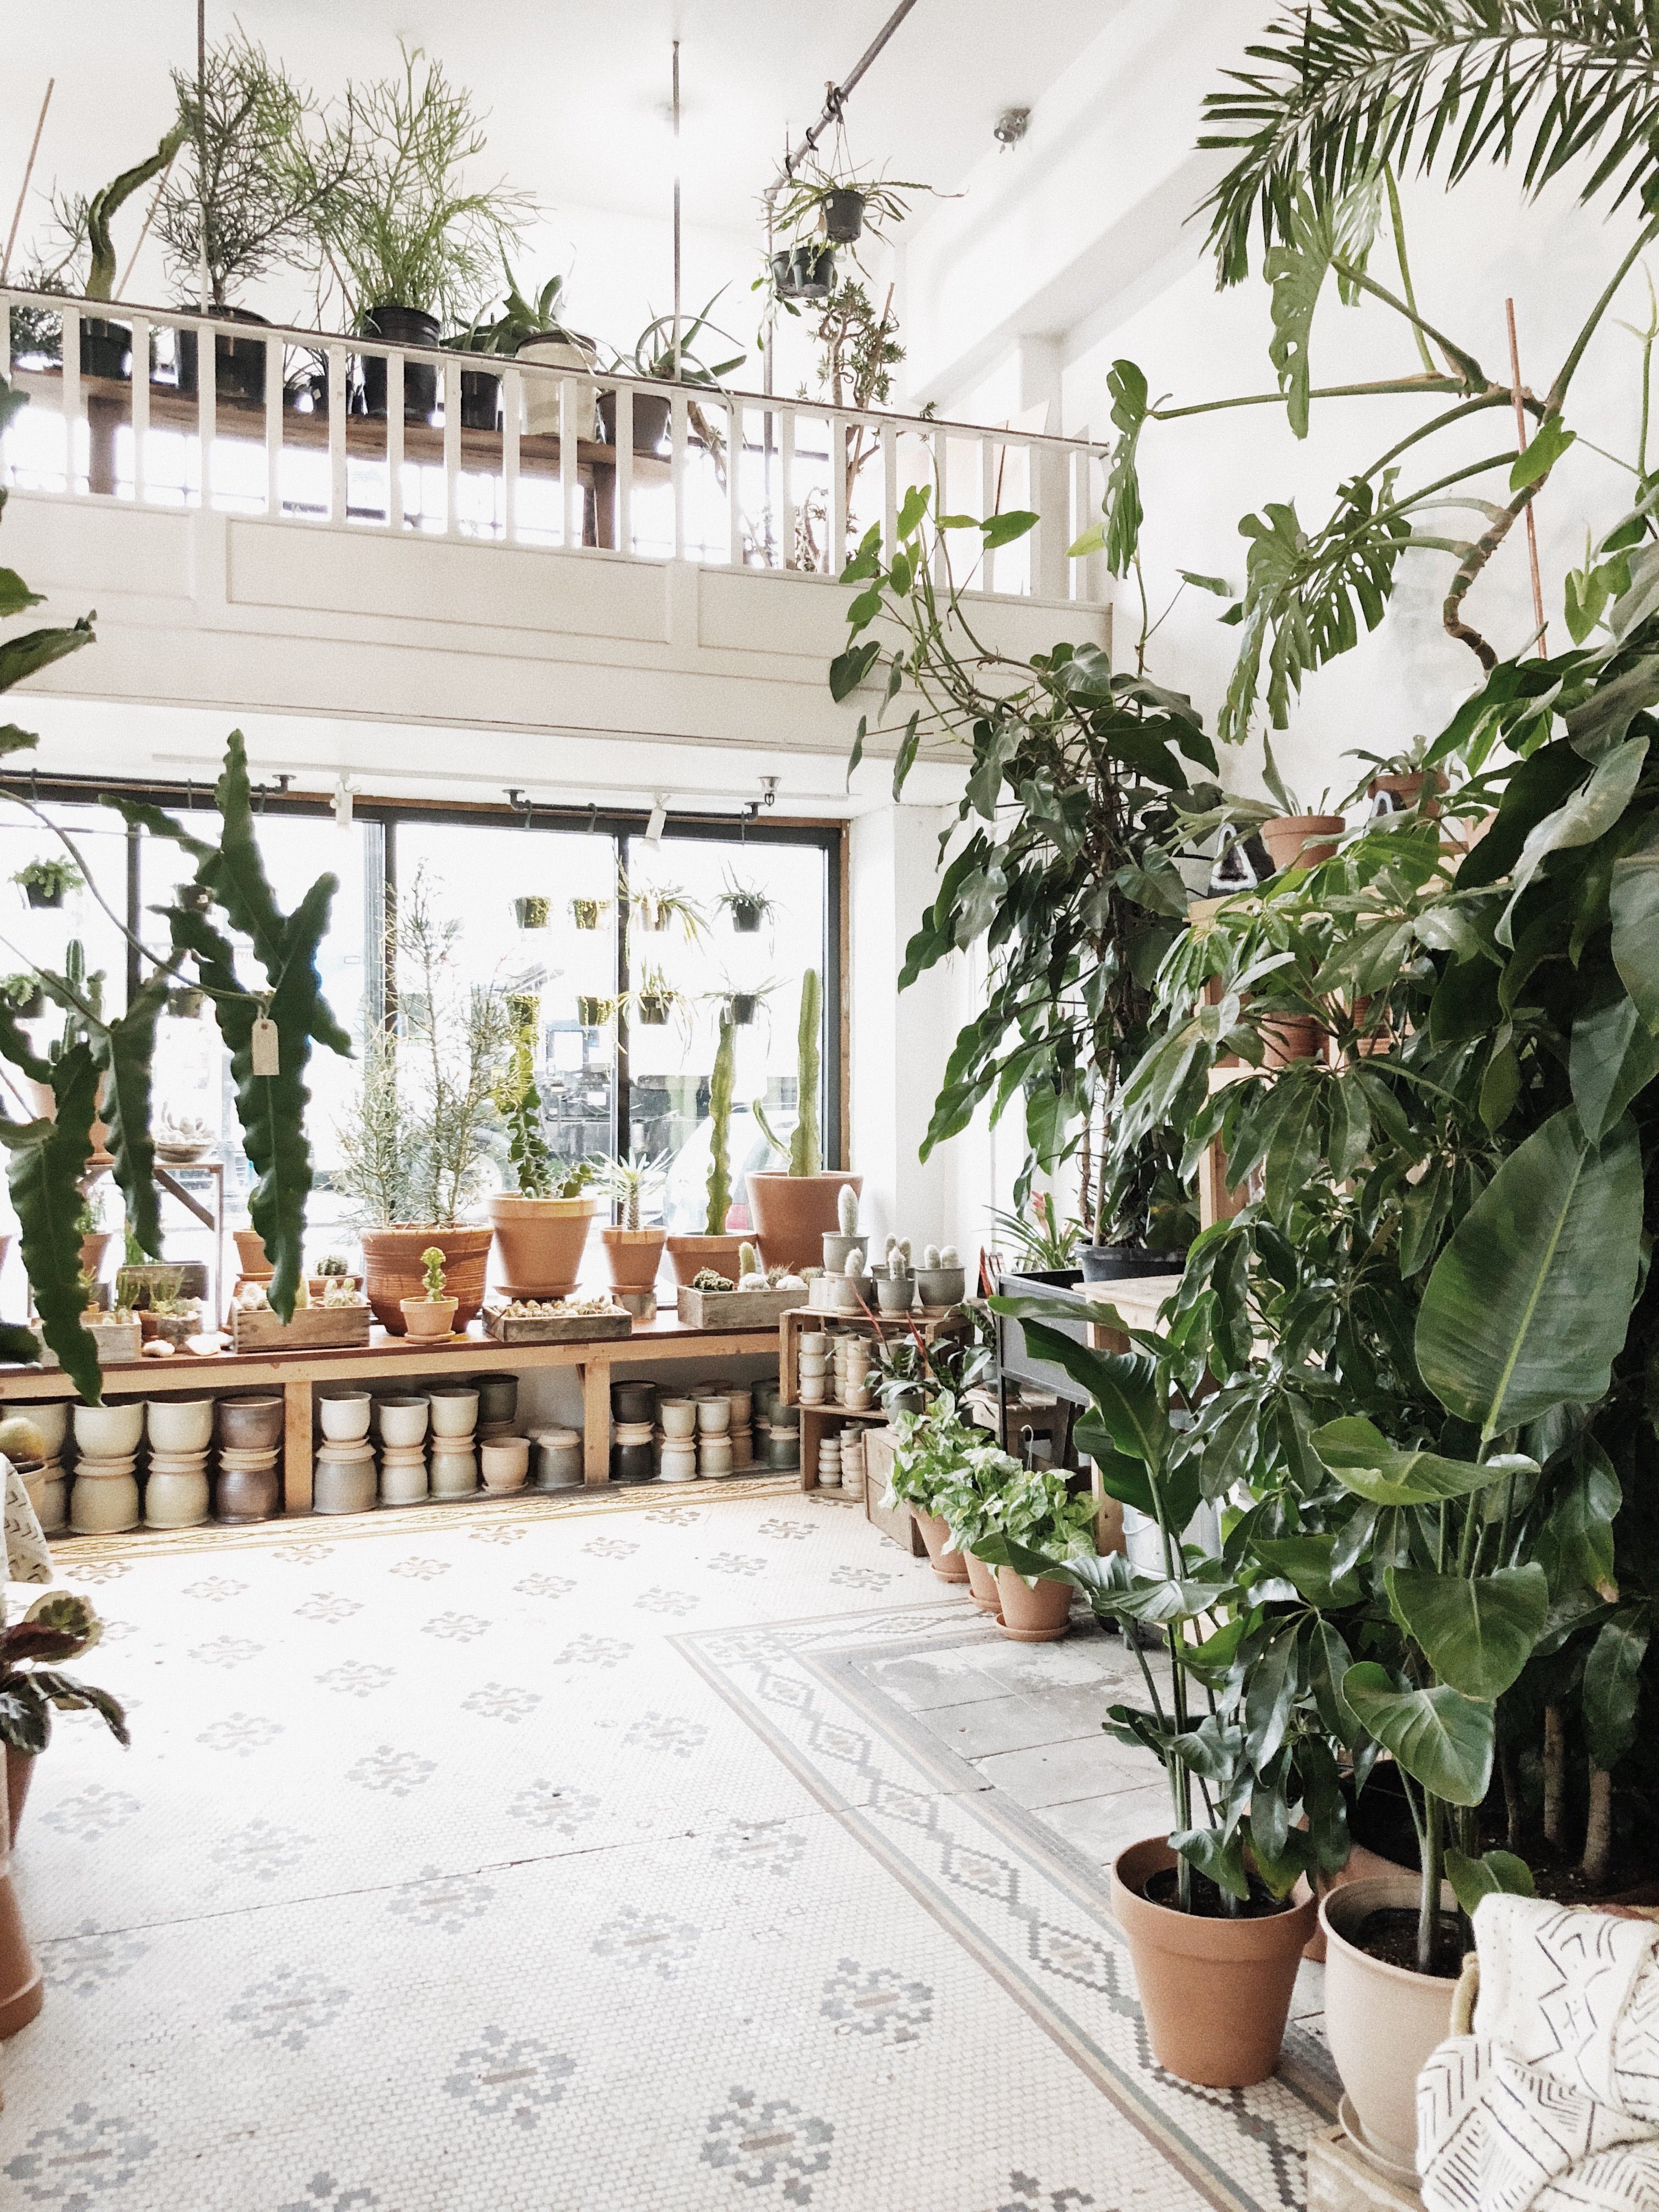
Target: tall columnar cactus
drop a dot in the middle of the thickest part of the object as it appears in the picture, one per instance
(847, 1210)
(805, 1157)
(720, 1085)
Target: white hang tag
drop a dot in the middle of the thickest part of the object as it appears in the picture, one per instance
(266, 1058)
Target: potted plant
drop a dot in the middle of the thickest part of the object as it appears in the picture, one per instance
(1037, 1513)
(716, 1248)
(186, 1003)
(941, 1279)
(586, 912)
(24, 997)
(655, 999)
(531, 330)
(106, 347)
(56, 1627)
(592, 1009)
(944, 1470)
(540, 1226)
(747, 906)
(791, 1211)
(658, 908)
(413, 1153)
(432, 1314)
(533, 913)
(1297, 836)
(657, 359)
(633, 1253)
(45, 881)
(330, 1268)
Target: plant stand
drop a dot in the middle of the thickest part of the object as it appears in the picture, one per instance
(815, 1421)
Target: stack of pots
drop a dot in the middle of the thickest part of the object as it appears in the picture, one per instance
(344, 1482)
(250, 1448)
(783, 1438)
(48, 1485)
(812, 1356)
(558, 1458)
(180, 1435)
(742, 1402)
(400, 1423)
(454, 1417)
(853, 1387)
(104, 1498)
(851, 1461)
(633, 1407)
(714, 1432)
(498, 1406)
(829, 1466)
(676, 1439)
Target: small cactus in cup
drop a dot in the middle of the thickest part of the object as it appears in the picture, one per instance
(855, 1268)
(433, 1260)
(931, 1257)
(847, 1210)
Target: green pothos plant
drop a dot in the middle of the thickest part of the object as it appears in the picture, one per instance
(101, 1074)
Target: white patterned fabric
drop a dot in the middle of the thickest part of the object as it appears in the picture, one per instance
(1551, 2104)
(27, 1558)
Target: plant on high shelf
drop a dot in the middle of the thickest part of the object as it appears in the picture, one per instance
(793, 1211)
(23, 994)
(44, 880)
(660, 357)
(541, 1227)
(716, 1248)
(533, 912)
(432, 1314)
(83, 229)
(57, 1627)
(1038, 1237)
(747, 906)
(414, 1152)
(633, 1252)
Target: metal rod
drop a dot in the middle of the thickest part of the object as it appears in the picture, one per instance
(29, 172)
(1521, 443)
(835, 97)
(677, 211)
(202, 278)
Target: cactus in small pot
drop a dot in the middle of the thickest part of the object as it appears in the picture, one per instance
(942, 1280)
(435, 1313)
(840, 1243)
(895, 1290)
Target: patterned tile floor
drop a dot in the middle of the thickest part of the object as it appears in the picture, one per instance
(685, 1856)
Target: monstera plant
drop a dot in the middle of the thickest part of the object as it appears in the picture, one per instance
(103, 1072)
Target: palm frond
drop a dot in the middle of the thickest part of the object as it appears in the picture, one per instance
(1345, 85)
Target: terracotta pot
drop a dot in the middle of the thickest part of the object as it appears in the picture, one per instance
(93, 1249)
(1397, 795)
(20, 1772)
(250, 1251)
(794, 1214)
(982, 1585)
(392, 1270)
(539, 1243)
(431, 1317)
(1289, 1038)
(22, 1988)
(1382, 2021)
(1215, 1994)
(690, 1255)
(1302, 841)
(949, 1566)
(632, 1257)
(1039, 1615)
(44, 1099)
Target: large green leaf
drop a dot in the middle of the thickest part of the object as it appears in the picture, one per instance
(1530, 1301)
(1633, 901)
(1443, 1739)
(123, 1052)
(1494, 1874)
(1613, 1059)
(1318, 230)
(1365, 1463)
(36, 649)
(1477, 1632)
(1587, 815)
(1611, 1676)
(48, 1160)
(1123, 1385)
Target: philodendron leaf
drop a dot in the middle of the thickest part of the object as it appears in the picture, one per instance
(1550, 440)
(1123, 1385)
(1305, 1561)
(1443, 1739)
(48, 1159)
(1220, 1857)
(1588, 814)
(1494, 1874)
(1478, 1633)
(1530, 1301)
(1364, 1462)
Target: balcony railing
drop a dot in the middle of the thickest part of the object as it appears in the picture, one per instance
(301, 427)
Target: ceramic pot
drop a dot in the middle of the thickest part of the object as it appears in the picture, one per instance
(1382, 2021)
(111, 1431)
(982, 1585)
(715, 1455)
(575, 356)
(558, 1458)
(251, 1423)
(103, 1504)
(344, 1415)
(713, 1416)
(632, 1257)
(1291, 1038)
(401, 1421)
(430, 1318)
(894, 1297)
(1215, 1994)
(392, 1270)
(839, 1249)
(652, 414)
(343, 1481)
(402, 1474)
(505, 1465)
(690, 1255)
(635, 1463)
(22, 1989)
(51, 1422)
(454, 1410)
(175, 1500)
(179, 1425)
(794, 1214)
(633, 1401)
(678, 1416)
(949, 1566)
(1302, 841)
(783, 1448)
(93, 1249)
(539, 1242)
(1397, 795)
(498, 1397)
(1032, 1615)
(48, 1490)
(243, 1494)
(454, 1470)
(942, 1286)
(678, 1463)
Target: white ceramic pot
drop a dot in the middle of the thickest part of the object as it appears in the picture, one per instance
(814, 1389)
(344, 1415)
(175, 1501)
(179, 1425)
(505, 1465)
(343, 1481)
(402, 1476)
(110, 1431)
(454, 1411)
(678, 1463)
(742, 1403)
(678, 1416)
(401, 1420)
(1382, 2021)
(52, 1422)
(713, 1416)
(455, 1471)
(542, 417)
(814, 1344)
(49, 1494)
(715, 1455)
(103, 1504)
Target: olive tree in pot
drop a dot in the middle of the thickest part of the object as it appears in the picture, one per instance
(541, 1227)
(793, 1211)
(715, 1248)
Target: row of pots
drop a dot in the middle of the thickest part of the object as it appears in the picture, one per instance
(1024, 1612)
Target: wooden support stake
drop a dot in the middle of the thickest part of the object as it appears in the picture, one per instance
(29, 172)
(1521, 444)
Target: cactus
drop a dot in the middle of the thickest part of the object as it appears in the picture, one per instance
(947, 1257)
(433, 1260)
(748, 1259)
(898, 1259)
(721, 1084)
(855, 1266)
(847, 1210)
(930, 1257)
(805, 1157)
(889, 1248)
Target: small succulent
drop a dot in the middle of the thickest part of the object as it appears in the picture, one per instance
(847, 1210)
(432, 1260)
(749, 1262)
(930, 1258)
(947, 1257)
(332, 1263)
(855, 1266)
(710, 1279)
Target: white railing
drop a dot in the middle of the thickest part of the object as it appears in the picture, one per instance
(518, 453)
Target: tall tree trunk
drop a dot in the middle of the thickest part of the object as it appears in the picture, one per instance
(1555, 1773)
(1598, 1829)
(1514, 1811)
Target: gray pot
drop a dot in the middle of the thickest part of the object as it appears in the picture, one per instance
(942, 1286)
(847, 1292)
(839, 1249)
(894, 1297)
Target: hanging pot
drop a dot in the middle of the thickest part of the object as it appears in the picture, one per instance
(533, 913)
(43, 896)
(746, 917)
(186, 1003)
(654, 1008)
(29, 1009)
(585, 911)
(590, 1010)
(805, 272)
(401, 326)
(743, 1006)
(843, 216)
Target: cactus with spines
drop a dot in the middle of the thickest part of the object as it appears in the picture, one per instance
(847, 1210)
(948, 1258)
(806, 1158)
(748, 1259)
(930, 1257)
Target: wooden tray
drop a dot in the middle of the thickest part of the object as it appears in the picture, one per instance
(313, 1328)
(734, 1309)
(549, 1329)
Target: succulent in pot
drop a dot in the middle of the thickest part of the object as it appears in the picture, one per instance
(541, 1227)
(24, 996)
(941, 1279)
(586, 912)
(747, 906)
(840, 1241)
(632, 1251)
(44, 881)
(434, 1314)
(533, 912)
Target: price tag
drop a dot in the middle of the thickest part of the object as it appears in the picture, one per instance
(266, 1038)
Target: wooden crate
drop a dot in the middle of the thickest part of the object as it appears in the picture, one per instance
(117, 1342)
(899, 1522)
(313, 1328)
(555, 1328)
(732, 1309)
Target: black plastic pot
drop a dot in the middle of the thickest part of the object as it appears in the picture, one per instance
(654, 1013)
(1127, 1263)
(481, 399)
(403, 326)
(843, 216)
(744, 1004)
(44, 894)
(590, 1012)
(652, 411)
(1244, 865)
(105, 349)
(805, 272)
(746, 921)
(239, 364)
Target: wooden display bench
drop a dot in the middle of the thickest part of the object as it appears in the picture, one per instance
(395, 1358)
(929, 1322)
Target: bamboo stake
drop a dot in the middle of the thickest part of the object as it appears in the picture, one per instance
(29, 172)
(1521, 443)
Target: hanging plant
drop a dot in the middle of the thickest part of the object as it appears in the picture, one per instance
(533, 913)
(591, 1011)
(804, 272)
(586, 912)
(45, 882)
